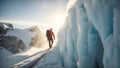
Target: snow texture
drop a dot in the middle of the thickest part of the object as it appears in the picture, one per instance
(6, 25)
(24, 34)
(90, 37)
(21, 60)
(4, 54)
(29, 56)
(29, 62)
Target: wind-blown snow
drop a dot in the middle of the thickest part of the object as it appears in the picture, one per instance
(35, 42)
(24, 34)
(90, 38)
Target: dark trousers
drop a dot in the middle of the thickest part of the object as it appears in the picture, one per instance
(50, 42)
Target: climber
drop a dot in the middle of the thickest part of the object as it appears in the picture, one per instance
(50, 35)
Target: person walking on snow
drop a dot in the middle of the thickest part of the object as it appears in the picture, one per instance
(50, 35)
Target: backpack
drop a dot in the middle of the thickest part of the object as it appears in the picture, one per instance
(48, 33)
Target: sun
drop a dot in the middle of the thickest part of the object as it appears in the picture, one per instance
(58, 21)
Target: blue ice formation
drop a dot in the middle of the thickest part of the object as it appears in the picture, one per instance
(90, 37)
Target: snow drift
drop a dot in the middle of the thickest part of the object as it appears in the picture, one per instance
(90, 37)
(23, 46)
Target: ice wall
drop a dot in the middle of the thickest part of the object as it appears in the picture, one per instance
(90, 37)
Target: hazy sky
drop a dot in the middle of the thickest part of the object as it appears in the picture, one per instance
(29, 12)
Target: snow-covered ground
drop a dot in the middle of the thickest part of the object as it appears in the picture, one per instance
(4, 54)
(31, 61)
(28, 56)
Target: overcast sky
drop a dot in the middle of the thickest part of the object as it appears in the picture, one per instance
(30, 12)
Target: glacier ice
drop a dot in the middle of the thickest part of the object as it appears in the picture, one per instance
(90, 37)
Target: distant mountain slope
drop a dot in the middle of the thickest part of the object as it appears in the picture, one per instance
(16, 40)
(18, 45)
